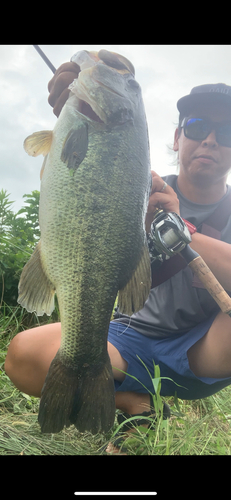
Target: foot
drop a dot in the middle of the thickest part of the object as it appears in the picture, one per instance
(132, 403)
(117, 448)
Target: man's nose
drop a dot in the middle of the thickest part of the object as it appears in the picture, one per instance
(210, 140)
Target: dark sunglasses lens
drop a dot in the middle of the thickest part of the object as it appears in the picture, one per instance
(196, 129)
(224, 135)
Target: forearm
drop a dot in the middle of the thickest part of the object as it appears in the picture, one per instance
(217, 255)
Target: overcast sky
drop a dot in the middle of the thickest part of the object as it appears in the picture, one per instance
(165, 73)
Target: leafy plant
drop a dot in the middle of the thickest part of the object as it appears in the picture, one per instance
(18, 237)
(155, 434)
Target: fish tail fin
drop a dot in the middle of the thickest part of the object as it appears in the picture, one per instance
(80, 397)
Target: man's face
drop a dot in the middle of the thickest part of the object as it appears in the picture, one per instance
(204, 162)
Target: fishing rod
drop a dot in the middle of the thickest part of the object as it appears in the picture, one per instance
(45, 58)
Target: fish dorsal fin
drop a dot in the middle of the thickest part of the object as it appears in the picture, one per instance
(132, 297)
(38, 143)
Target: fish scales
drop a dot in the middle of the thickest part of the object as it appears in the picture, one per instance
(86, 209)
(92, 245)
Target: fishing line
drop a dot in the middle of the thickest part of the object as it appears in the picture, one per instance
(118, 334)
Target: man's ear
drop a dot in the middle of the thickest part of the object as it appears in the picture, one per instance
(176, 140)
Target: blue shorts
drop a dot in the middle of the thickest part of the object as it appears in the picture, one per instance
(171, 356)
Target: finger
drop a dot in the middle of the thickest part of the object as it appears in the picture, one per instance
(158, 184)
(152, 204)
(165, 201)
(60, 102)
(66, 67)
(62, 82)
(153, 175)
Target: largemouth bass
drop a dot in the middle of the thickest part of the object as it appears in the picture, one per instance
(94, 194)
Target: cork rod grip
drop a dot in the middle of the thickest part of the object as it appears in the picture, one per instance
(200, 268)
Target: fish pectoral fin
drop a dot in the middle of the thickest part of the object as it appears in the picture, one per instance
(132, 297)
(36, 292)
(38, 143)
(75, 147)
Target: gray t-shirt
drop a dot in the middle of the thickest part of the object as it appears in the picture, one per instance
(176, 306)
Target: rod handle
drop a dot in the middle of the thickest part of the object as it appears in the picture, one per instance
(200, 268)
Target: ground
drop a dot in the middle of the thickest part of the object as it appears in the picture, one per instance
(199, 427)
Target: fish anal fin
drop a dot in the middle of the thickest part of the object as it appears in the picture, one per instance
(132, 297)
(38, 143)
(75, 147)
(36, 292)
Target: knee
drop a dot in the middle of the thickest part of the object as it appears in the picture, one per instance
(117, 361)
(15, 356)
(20, 366)
(29, 356)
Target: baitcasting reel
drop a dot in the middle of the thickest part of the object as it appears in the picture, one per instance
(168, 235)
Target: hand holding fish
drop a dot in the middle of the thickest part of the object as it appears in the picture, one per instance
(162, 196)
(58, 85)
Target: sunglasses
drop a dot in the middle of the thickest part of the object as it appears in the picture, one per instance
(198, 129)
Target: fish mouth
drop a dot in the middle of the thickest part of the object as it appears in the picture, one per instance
(85, 109)
(86, 105)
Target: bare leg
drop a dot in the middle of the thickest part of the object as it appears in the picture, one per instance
(29, 356)
(211, 355)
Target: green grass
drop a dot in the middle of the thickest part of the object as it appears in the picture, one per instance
(199, 427)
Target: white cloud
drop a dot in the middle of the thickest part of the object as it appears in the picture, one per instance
(165, 73)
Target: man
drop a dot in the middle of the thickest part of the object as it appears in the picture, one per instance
(180, 326)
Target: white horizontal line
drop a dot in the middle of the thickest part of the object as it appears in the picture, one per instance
(115, 493)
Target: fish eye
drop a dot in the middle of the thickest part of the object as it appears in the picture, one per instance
(133, 83)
